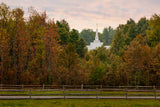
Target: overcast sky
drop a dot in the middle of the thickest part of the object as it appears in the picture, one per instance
(82, 14)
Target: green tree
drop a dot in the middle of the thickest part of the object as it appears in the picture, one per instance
(96, 66)
(107, 35)
(118, 44)
(88, 35)
(78, 41)
(153, 34)
(63, 31)
(142, 26)
(126, 33)
(74, 36)
(80, 47)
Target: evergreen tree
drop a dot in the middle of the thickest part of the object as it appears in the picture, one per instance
(88, 35)
(63, 31)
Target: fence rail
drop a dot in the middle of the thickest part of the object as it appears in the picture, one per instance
(8, 86)
(78, 91)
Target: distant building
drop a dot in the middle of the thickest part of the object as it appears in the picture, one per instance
(96, 43)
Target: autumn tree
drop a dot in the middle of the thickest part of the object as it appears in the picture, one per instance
(69, 68)
(36, 29)
(155, 76)
(114, 74)
(5, 17)
(52, 50)
(138, 60)
(20, 44)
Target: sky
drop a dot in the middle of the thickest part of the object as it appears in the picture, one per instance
(84, 14)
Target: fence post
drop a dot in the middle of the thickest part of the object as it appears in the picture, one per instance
(63, 87)
(155, 93)
(30, 94)
(126, 93)
(81, 86)
(1, 86)
(64, 92)
(43, 86)
(22, 86)
(154, 87)
(136, 87)
(96, 93)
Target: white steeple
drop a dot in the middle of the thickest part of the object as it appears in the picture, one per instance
(96, 43)
(96, 38)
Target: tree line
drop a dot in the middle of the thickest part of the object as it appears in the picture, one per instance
(38, 50)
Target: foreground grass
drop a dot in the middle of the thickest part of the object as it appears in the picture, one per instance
(80, 103)
(115, 93)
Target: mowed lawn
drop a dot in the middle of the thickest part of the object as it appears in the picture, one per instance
(80, 103)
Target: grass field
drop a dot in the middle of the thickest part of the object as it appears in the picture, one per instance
(80, 103)
(115, 93)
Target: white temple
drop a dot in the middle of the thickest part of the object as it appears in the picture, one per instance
(96, 43)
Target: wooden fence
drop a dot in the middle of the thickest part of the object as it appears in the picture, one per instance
(78, 91)
(7, 86)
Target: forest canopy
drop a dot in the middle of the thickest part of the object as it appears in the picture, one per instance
(38, 50)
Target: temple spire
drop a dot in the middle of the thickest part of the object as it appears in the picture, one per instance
(96, 43)
(96, 38)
